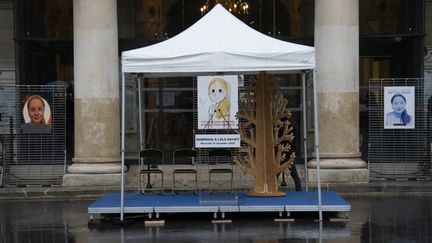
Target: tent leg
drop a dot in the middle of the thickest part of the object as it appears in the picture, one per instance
(140, 114)
(122, 147)
(317, 148)
(305, 146)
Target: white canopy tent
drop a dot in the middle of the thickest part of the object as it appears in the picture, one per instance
(219, 43)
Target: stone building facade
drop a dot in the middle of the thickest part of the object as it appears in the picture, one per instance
(80, 42)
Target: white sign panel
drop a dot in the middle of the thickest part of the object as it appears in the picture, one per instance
(217, 141)
(217, 102)
(399, 107)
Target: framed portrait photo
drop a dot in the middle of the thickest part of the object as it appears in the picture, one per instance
(37, 115)
(399, 107)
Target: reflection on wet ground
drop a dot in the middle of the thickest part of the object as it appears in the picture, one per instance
(372, 219)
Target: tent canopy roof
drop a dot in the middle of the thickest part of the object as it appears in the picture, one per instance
(218, 43)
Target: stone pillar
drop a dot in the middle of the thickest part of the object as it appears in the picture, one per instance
(97, 118)
(337, 61)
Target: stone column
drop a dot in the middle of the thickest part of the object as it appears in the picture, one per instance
(97, 118)
(337, 61)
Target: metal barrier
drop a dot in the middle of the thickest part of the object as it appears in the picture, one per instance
(399, 150)
(33, 134)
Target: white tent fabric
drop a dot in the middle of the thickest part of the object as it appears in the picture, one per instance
(218, 42)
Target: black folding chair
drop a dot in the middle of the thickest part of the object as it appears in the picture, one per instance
(221, 156)
(184, 157)
(149, 160)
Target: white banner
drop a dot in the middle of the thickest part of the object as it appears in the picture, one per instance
(217, 141)
(217, 102)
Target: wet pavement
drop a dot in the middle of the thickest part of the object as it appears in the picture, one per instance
(372, 219)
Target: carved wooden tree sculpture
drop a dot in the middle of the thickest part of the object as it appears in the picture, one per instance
(265, 130)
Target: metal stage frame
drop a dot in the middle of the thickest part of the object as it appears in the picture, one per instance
(135, 203)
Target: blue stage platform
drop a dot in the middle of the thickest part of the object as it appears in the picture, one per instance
(217, 203)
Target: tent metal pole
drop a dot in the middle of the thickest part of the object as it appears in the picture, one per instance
(305, 147)
(140, 133)
(140, 114)
(122, 147)
(317, 148)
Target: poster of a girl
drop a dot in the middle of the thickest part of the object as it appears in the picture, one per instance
(219, 111)
(399, 116)
(37, 111)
